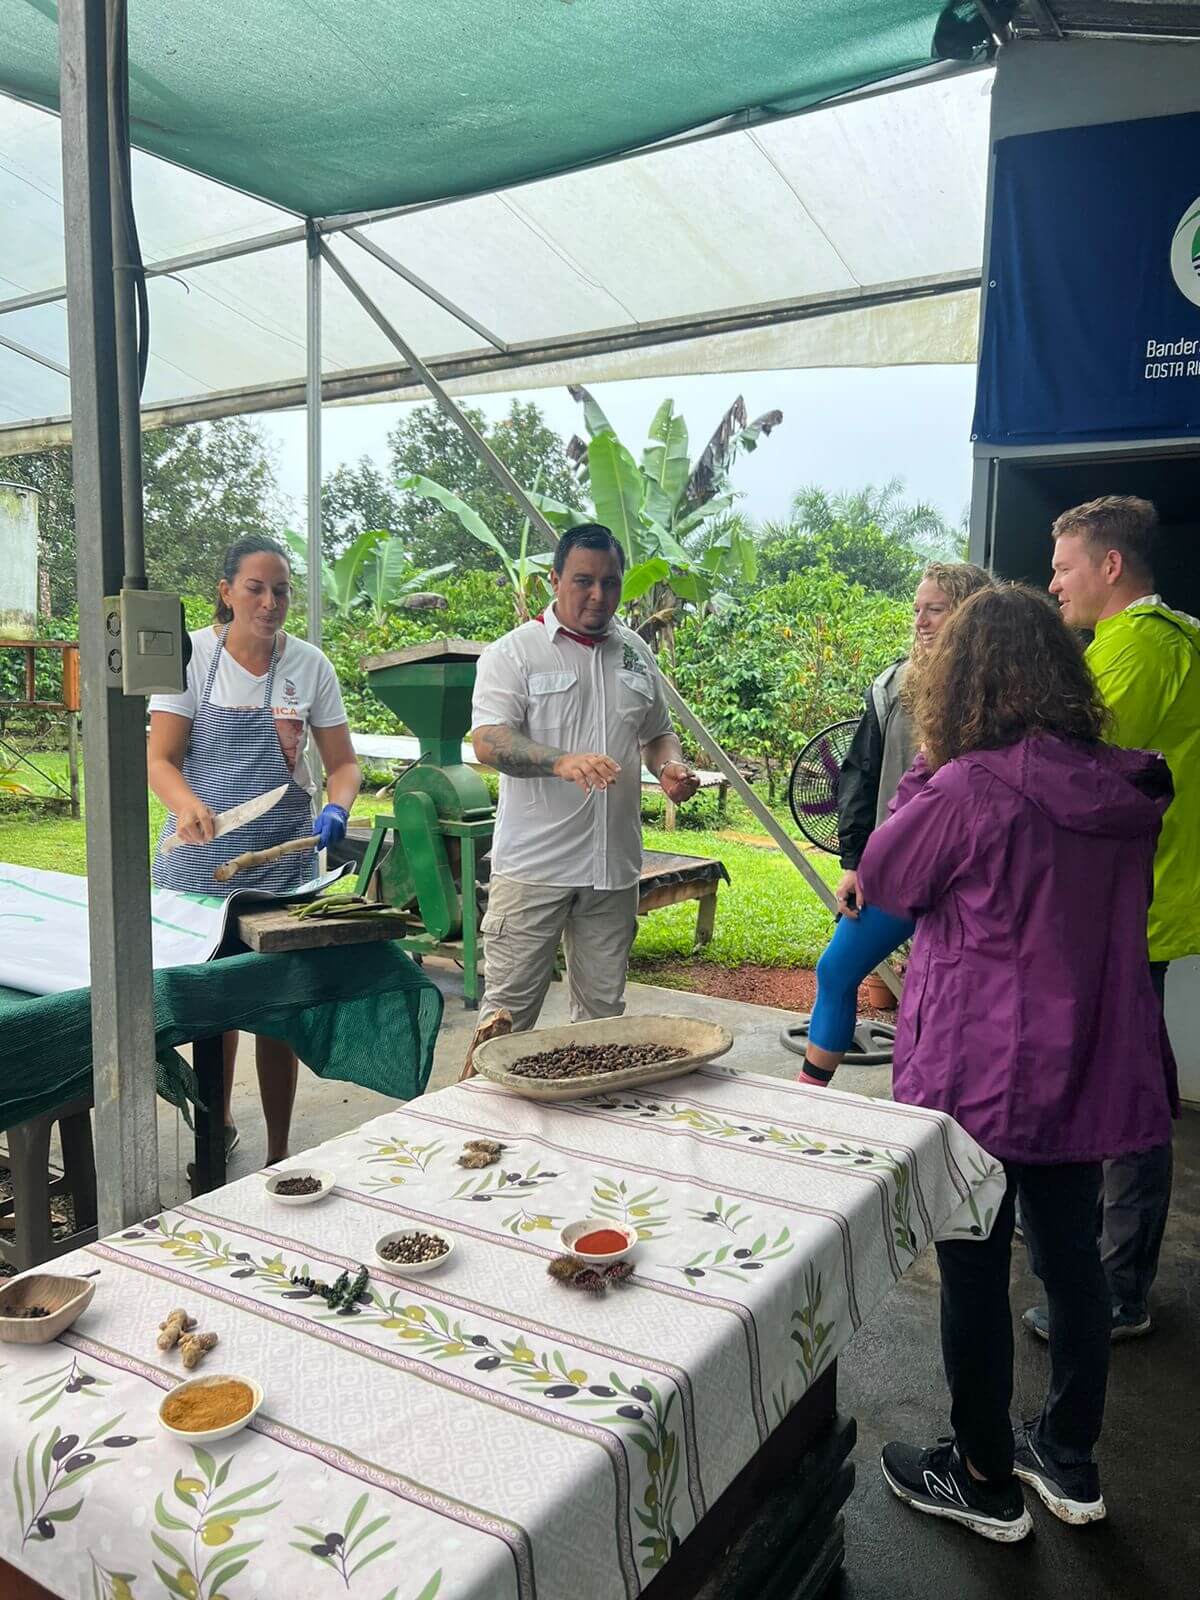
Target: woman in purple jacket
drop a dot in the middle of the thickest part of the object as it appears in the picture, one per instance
(1023, 847)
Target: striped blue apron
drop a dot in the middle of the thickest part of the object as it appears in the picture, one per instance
(234, 755)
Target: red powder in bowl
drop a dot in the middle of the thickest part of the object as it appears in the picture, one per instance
(604, 1242)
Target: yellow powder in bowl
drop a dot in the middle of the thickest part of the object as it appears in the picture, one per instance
(208, 1405)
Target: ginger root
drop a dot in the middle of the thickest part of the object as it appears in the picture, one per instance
(174, 1328)
(194, 1346)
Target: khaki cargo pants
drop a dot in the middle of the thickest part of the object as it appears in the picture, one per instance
(521, 931)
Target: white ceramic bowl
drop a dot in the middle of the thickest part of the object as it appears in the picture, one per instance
(407, 1268)
(325, 1179)
(576, 1230)
(211, 1435)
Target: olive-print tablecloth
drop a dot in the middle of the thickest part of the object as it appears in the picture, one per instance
(480, 1433)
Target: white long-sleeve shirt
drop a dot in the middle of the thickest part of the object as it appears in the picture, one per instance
(606, 698)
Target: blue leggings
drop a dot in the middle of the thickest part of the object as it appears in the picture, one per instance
(857, 947)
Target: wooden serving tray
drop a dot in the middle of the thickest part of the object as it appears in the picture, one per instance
(701, 1040)
(63, 1297)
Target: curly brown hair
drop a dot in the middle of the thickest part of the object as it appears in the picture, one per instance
(958, 580)
(1005, 665)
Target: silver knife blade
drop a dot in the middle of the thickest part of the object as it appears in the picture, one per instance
(236, 816)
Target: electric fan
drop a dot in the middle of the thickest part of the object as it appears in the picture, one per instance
(813, 786)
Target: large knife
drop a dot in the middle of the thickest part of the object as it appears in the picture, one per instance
(236, 816)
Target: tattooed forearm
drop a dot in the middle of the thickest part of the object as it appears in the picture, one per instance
(512, 753)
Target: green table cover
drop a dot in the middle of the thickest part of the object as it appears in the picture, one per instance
(368, 1016)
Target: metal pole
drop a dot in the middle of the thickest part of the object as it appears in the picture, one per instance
(312, 411)
(114, 727)
(125, 305)
(474, 438)
(785, 842)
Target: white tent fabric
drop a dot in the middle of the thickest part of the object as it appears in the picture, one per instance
(872, 198)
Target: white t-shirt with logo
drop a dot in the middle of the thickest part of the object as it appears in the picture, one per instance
(306, 695)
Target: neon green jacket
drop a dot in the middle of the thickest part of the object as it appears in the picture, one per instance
(1146, 661)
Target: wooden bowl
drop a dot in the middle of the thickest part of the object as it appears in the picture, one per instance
(700, 1042)
(64, 1298)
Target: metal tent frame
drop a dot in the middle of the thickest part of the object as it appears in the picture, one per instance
(105, 427)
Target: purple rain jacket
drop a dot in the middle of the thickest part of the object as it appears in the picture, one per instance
(1028, 1012)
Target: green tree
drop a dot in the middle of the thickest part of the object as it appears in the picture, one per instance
(427, 444)
(206, 484)
(873, 536)
(767, 674)
(355, 500)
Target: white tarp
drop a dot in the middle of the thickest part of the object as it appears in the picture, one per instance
(44, 927)
(866, 196)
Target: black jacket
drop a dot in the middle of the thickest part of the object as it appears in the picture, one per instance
(882, 740)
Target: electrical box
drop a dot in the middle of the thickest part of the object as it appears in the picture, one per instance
(147, 643)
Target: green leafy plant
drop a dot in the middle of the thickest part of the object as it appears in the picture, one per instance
(526, 574)
(654, 506)
(373, 570)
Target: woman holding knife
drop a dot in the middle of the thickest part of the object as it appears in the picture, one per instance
(240, 729)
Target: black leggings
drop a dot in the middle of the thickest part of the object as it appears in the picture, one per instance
(1058, 1207)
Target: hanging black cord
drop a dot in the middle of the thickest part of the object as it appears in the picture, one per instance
(122, 177)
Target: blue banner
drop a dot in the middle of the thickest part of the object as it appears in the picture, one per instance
(1092, 319)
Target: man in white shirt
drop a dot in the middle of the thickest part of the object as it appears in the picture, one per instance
(568, 708)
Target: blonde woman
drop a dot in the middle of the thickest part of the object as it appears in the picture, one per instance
(884, 748)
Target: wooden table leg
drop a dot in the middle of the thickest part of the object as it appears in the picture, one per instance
(706, 918)
(15, 1585)
(208, 1063)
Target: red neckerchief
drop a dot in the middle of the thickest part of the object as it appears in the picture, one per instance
(589, 639)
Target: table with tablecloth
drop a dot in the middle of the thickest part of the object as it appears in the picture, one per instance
(481, 1432)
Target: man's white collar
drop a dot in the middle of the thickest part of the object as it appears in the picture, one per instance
(553, 625)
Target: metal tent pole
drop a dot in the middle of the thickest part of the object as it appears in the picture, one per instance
(114, 726)
(754, 805)
(474, 438)
(312, 413)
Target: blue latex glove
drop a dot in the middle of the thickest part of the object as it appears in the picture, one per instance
(330, 826)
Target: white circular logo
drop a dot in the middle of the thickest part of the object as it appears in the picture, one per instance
(1185, 254)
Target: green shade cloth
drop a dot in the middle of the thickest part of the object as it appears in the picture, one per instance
(335, 105)
(368, 1016)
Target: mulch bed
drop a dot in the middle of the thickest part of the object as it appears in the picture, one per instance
(62, 1216)
(787, 988)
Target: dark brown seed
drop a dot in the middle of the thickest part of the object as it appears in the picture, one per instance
(298, 1186)
(586, 1060)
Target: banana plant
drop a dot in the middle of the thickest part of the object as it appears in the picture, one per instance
(654, 507)
(375, 570)
(660, 507)
(527, 575)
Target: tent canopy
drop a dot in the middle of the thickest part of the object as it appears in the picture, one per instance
(324, 106)
(726, 253)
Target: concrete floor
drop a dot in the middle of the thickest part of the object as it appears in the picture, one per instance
(891, 1379)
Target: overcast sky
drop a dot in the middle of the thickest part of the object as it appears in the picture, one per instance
(841, 428)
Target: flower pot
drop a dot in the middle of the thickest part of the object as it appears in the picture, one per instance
(879, 996)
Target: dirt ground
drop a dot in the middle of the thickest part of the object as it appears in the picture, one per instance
(788, 988)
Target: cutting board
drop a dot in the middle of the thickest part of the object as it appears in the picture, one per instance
(273, 932)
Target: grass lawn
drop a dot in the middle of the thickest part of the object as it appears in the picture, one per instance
(766, 915)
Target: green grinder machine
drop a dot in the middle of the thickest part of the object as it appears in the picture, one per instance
(424, 857)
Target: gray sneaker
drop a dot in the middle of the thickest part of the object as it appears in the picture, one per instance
(1128, 1322)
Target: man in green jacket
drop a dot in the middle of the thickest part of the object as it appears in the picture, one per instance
(1146, 661)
